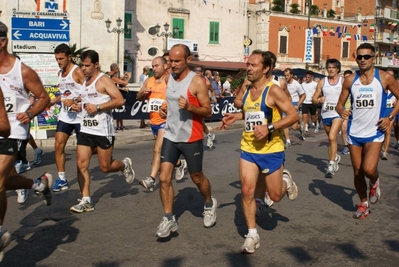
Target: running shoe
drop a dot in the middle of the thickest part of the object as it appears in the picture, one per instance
(19, 166)
(166, 227)
(82, 206)
(210, 214)
(148, 183)
(287, 144)
(375, 192)
(46, 194)
(180, 170)
(306, 128)
(330, 170)
(60, 185)
(22, 195)
(252, 242)
(345, 151)
(128, 171)
(302, 133)
(26, 166)
(384, 155)
(337, 158)
(5, 239)
(396, 145)
(292, 190)
(38, 156)
(361, 212)
(317, 128)
(268, 201)
(209, 140)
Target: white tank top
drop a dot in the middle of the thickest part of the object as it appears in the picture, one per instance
(368, 103)
(331, 92)
(100, 123)
(16, 100)
(69, 89)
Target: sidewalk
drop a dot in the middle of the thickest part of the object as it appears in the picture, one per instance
(132, 134)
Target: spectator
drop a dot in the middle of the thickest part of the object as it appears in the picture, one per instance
(142, 78)
(226, 90)
(216, 87)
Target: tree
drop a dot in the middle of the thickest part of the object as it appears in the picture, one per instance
(295, 8)
(278, 5)
(314, 10)
(331, 13)
(76, 53)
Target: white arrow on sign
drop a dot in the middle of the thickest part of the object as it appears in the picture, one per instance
(64, 24)
(17, 34)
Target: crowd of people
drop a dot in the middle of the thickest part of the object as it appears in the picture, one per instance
(362, 105)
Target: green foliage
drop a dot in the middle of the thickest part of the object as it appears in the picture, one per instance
(278, 5)
(314, 10)
(295, 8)
(76, 53)
(331, 13)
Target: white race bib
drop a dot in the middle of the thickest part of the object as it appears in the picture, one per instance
(90, 121)
(329, 106)
(10, 102)
(364, 100)
(254, 118)
(154, 104)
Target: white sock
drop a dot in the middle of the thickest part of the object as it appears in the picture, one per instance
(288, 141)
(366, 203)
(252, 231)
(331, 162)
(86, 199)
(287, 181)
(62, 176)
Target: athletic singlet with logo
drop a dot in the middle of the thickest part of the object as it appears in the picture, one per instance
(331, 93)
(155, 100)
(100, 123)
(368, 103)
(182, 125)
(68, 90)
(16, 100)
(257, 112)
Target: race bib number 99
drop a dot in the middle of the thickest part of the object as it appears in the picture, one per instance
(252, 119)
(365, 100)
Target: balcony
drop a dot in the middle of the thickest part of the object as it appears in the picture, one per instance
(388, 13)
(385, 38)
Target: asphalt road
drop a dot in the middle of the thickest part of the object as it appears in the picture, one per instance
(317, 229)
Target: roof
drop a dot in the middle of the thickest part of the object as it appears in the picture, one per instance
(219, 65)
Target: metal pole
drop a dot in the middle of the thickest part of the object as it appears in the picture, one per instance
(117, 53)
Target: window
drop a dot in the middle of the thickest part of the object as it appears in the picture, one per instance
(345, 49)
(179, 23)
(283, 45)
(317, 49)
(153, 51)
(213, 32)
(128, 18)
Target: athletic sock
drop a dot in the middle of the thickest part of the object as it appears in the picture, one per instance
(61, 175)
(252, 231)
(87, 199)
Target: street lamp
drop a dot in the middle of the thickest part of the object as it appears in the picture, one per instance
(118, 30)
(166, 33)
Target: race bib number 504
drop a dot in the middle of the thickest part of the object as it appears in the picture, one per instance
(365, 100)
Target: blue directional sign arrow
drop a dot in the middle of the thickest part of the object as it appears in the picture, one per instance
(34, 23)
(40, 35)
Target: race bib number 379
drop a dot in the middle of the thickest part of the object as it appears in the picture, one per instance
(252, 119)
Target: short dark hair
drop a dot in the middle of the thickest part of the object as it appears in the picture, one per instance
(93, 55)
(273, 57)
(163, 60)
(348, 72)
(288, 70)
(63, 48)
(366, 46)
(309, 72)
(334, 62)
(267, 61)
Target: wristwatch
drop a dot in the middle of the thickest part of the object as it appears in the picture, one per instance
(75, 99)
(270, 127)
(98, 107)
(30, 115)
(391, 117)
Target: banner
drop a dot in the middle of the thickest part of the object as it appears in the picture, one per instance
(48, 119)
(135, 110)
(308, 57)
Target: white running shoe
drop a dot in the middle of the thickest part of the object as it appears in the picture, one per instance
(179, 173)
(268, 201)
(210, 214)
(22, 195)
(128, 171)
(252, 242)
(292, 190)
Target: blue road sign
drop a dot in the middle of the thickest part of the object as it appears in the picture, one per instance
(33, 29)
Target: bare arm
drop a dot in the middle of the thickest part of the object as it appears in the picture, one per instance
(283, 85)
(4, 123)
(144, 91)
(199, 89)
(239, 96)
(340, 108)
(317, 94)
(390, 84)
(120, 81)
(33, 84)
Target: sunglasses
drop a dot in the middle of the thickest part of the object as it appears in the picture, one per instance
(366, 57)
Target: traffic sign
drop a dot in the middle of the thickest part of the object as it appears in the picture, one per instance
(33, 29)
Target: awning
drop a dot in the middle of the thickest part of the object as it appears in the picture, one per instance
(219, 65)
